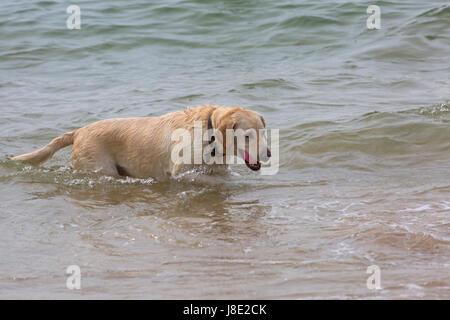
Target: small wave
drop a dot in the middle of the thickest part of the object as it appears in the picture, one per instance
(271, 83)
(92, 182)
(440, 110)
(307, 21)
(396, 136)
(65, 175)
(443, 11)
(401, 237)
(422, 208)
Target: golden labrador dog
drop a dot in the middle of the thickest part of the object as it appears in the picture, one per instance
(143, 147)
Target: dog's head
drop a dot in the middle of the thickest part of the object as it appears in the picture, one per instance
(246, 136)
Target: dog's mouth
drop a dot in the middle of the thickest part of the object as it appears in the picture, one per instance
(251, 163)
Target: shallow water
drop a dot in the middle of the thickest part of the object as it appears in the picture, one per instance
(364, 121)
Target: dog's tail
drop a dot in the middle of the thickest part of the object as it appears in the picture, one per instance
(47, 152)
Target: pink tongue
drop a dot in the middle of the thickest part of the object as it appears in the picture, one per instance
(248, 158)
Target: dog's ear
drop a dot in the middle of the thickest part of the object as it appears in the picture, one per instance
(262, 119)
(226, 122)
(225, 119)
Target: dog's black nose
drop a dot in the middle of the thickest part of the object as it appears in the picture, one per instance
(268, 153)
